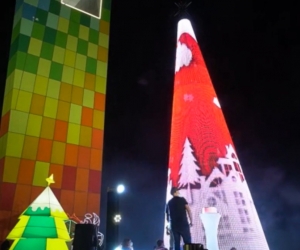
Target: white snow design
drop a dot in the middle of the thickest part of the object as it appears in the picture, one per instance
(46, 200)
(183, 56)
(188, 171)
(216, 101)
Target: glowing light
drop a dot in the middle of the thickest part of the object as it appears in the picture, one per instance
(117, 218)
(120, 189)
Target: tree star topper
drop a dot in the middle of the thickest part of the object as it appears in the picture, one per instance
(50, 180)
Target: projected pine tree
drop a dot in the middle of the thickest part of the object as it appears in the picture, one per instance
(188, 171)
(41, 226)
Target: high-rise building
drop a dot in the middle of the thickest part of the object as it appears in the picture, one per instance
(54, 104)
(203, 160)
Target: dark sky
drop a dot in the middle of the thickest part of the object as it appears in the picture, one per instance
(253, 56)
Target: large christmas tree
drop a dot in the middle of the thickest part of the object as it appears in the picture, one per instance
(41, 225)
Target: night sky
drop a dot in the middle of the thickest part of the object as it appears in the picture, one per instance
(253, 55)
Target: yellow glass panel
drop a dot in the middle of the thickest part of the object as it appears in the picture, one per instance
(92, 50)
(75, 114)
(53, 89)
(103, 40)
(3, 141)
(58, 55)
(63, 111)
(83, 32)
(41, 85)
(72, 43)
(48, 126)
(73, 133)
(18, 122)
(85, 136)
(101, 69)
(14, 98)
(63, 25)
(24, 101)
(68, 74)
(70, 58)
(98, 119)
(9, 83)
(30, 147)
(41, 172)
(50, 107)
(100, 85)
(14, 144)
(17, 78)
(11, 169)
(58, 152)
(34, 125)
(80, 62)
(88, 98)
(44, 67)
(35, 46)
(7, 101)
(79, 78)
(27, 82)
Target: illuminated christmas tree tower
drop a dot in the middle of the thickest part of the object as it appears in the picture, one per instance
(203, 160)
(41, 226)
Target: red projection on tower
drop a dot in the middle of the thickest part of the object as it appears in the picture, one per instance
(203, 161)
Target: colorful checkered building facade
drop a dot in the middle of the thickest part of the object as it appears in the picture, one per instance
(53, 110)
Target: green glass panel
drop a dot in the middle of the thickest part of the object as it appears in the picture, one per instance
(106, 4)
(26, 27)
(85, 20)
(93, 36)
(50, 35)
(31, 244)
(14, 47)
(56, 71)
(31, 64)
(75, 16)
(105, 15)
(94, 23)
(91, 65)
(12, 64)
(38, 212)
(42, 16)
(61, 39)
(38, 31)
(82, 47)
(24, 43)
(20, 60)
(55, 7)
(40, 227)
(41, 221)
(16, 31)
(32, 2)
(47, 51)
(65, 11)
(52, 21)
(74, 29)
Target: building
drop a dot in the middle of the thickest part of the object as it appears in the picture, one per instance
(54, 105)
(203, 160)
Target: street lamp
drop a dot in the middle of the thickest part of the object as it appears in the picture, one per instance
(113, 217)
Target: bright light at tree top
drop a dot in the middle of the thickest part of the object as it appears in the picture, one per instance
(120, 189)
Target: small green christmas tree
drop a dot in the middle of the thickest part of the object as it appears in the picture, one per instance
(41, 226)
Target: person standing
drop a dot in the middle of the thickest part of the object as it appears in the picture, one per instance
(176, 211)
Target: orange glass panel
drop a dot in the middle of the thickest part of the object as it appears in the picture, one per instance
(84, 156)
(30, 147)
(77, 95)
(89, 81)
(80, 203)
(36, 191)
(85, 136)
(65, 92)
(87, 117)
(99, 101)
(37, 104)
(44, 150)
(63, 111)
(96, 159)
(61, 131)
(102, 54)
(71, 155)
(93, 205)
(4, 123)
(48, 126)
(26, 171)
(22, 198)
(97, 138)
(67, 200)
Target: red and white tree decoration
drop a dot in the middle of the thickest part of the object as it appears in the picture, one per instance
(188, 170)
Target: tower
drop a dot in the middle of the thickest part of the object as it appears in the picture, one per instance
(216, 178)
(54, 106)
